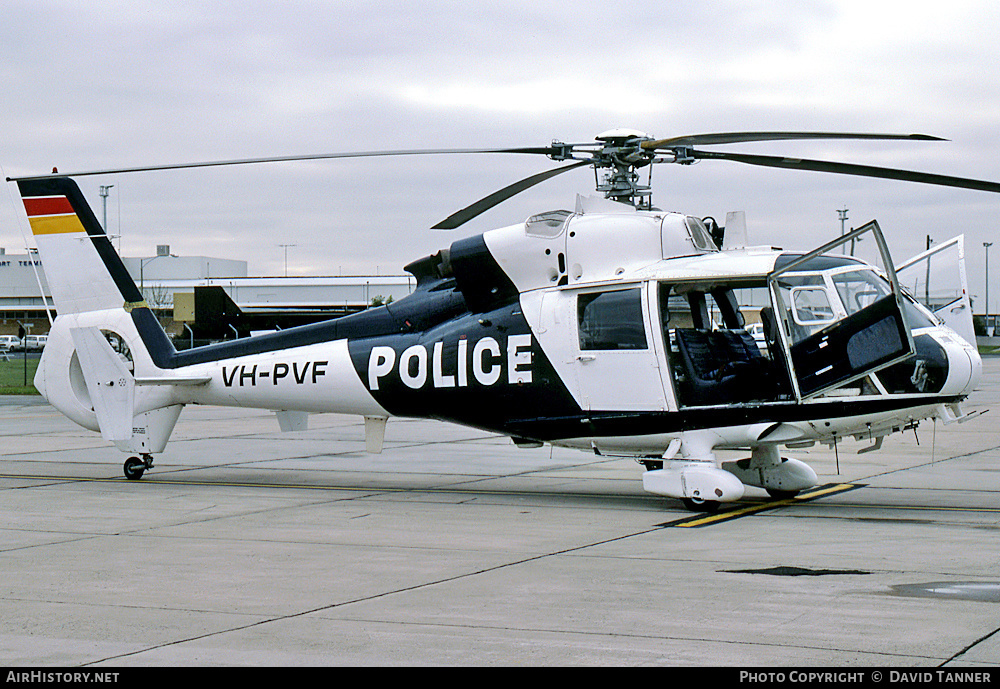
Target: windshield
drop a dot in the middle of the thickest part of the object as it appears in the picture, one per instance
(859, 289)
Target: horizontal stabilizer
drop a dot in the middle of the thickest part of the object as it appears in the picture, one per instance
(174, 380)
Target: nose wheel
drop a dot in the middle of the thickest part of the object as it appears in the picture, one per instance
(135, 467)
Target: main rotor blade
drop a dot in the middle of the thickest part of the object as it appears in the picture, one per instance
(482, 205)
(850, 169)
(547, 150)
(742, 137)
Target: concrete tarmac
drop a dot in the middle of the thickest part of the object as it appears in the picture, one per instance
(247, 546)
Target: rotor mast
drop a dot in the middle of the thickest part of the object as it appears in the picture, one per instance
(616, 165)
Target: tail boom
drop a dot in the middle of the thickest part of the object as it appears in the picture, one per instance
(303, 371)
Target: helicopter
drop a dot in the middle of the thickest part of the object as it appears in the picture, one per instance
(616, 328)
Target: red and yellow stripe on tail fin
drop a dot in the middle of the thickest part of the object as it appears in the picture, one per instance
(82, 270)
(52, 215)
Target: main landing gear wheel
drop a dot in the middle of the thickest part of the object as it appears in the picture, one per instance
(782, 494)
(698, 505)
(135, 467)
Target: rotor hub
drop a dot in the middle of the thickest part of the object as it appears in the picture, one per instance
(616, 163)
(619, 137)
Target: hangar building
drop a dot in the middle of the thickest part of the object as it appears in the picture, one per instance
(177, 287)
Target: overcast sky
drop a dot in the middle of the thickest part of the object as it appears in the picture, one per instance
(107, 84)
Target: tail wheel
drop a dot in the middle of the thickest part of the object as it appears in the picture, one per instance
(134, 468)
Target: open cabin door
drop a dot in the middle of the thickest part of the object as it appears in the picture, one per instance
(838, 324)
(937, 280)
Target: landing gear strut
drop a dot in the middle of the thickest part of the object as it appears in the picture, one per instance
(135, 467)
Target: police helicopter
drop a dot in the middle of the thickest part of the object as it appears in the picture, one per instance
(615, 328)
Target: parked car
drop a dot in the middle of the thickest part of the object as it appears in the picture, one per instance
(9, 343)
(35, 343)
(756, 331)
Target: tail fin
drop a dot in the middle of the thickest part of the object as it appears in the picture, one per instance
(85, 274)
(79, 373)
(82, 269)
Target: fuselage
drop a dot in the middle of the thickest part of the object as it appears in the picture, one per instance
(606, 329)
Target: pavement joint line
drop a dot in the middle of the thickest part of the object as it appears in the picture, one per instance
(931, 463)
(628, 635)
(382, 594)
(372, 490)
(694, 521)
(968, 648)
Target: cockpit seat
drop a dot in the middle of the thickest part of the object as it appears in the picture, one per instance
(720, 367)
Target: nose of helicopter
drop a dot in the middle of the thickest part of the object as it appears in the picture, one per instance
(965, 366)
(977, 368)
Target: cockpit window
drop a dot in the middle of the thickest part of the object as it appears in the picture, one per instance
(916, 315)
(859, 289)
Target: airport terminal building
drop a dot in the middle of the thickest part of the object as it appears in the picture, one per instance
(182, 289)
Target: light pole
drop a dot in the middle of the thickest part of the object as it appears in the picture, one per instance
(987, 246)
(285, 247)
(105, 188)
(142, 266)
(104, 198)
(842, 214)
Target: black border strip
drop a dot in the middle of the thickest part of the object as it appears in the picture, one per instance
(649, 423)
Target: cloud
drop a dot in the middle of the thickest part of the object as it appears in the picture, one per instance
(114, 84)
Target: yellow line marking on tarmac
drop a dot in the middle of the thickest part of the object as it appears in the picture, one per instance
(923, 508)
(685, 522)
(374, 488)
(188, 482)
(709, 519)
